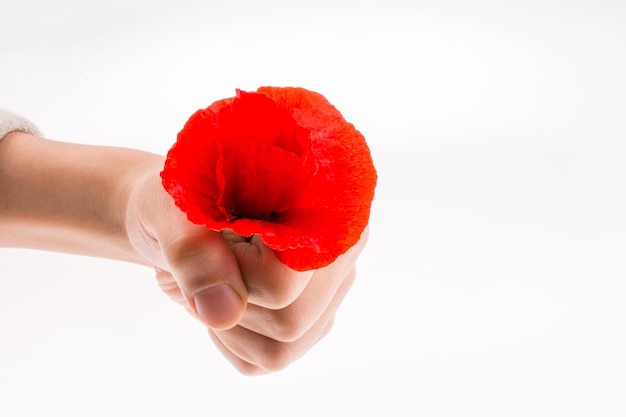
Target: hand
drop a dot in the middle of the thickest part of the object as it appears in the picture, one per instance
(109, 202)
(260, 314)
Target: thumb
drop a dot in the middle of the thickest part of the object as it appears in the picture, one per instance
(208, 275)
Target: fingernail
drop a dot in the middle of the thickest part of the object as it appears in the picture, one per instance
(218, 306)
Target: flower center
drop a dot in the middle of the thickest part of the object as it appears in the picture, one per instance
(263, 181)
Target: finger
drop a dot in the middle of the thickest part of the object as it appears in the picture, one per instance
(246, 368)
(269, 282)
(322, 296)
(207, 273)
(169, 286)
(202, 264)
(273, 355)
(290, 322)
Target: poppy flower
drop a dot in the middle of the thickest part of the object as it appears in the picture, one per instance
(281, 163)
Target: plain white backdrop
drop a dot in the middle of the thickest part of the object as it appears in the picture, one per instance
(494, 280)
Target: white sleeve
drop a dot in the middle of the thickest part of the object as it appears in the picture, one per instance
(11, 122)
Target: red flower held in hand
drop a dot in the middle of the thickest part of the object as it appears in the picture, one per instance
(281, 163)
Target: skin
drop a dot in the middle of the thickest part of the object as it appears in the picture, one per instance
(108, 202)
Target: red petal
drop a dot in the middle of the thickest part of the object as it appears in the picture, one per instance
(343, 186)
(190, 174)
(281, 163)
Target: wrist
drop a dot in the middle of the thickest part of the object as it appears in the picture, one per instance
(139, 168)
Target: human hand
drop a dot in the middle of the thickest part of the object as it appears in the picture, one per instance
(260, 314)
(109, 202)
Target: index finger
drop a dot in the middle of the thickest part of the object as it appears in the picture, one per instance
(270, 283)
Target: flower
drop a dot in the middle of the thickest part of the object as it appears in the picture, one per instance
(281, 163)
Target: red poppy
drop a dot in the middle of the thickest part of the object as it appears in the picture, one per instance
(281, 163)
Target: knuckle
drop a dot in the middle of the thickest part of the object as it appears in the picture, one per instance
(278, 356)
(278, 290)
(282, 294)
(290, 326)
(271, 284)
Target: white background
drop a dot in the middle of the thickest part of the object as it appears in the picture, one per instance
(493, 283)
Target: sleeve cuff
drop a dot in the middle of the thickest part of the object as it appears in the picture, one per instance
(11, 122)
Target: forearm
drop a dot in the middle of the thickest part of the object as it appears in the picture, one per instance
(67, 197)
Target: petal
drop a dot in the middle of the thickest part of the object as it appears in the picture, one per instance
(190, 173)
(343, 186)
(305, 259)
(254, 117)
(262, 181)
